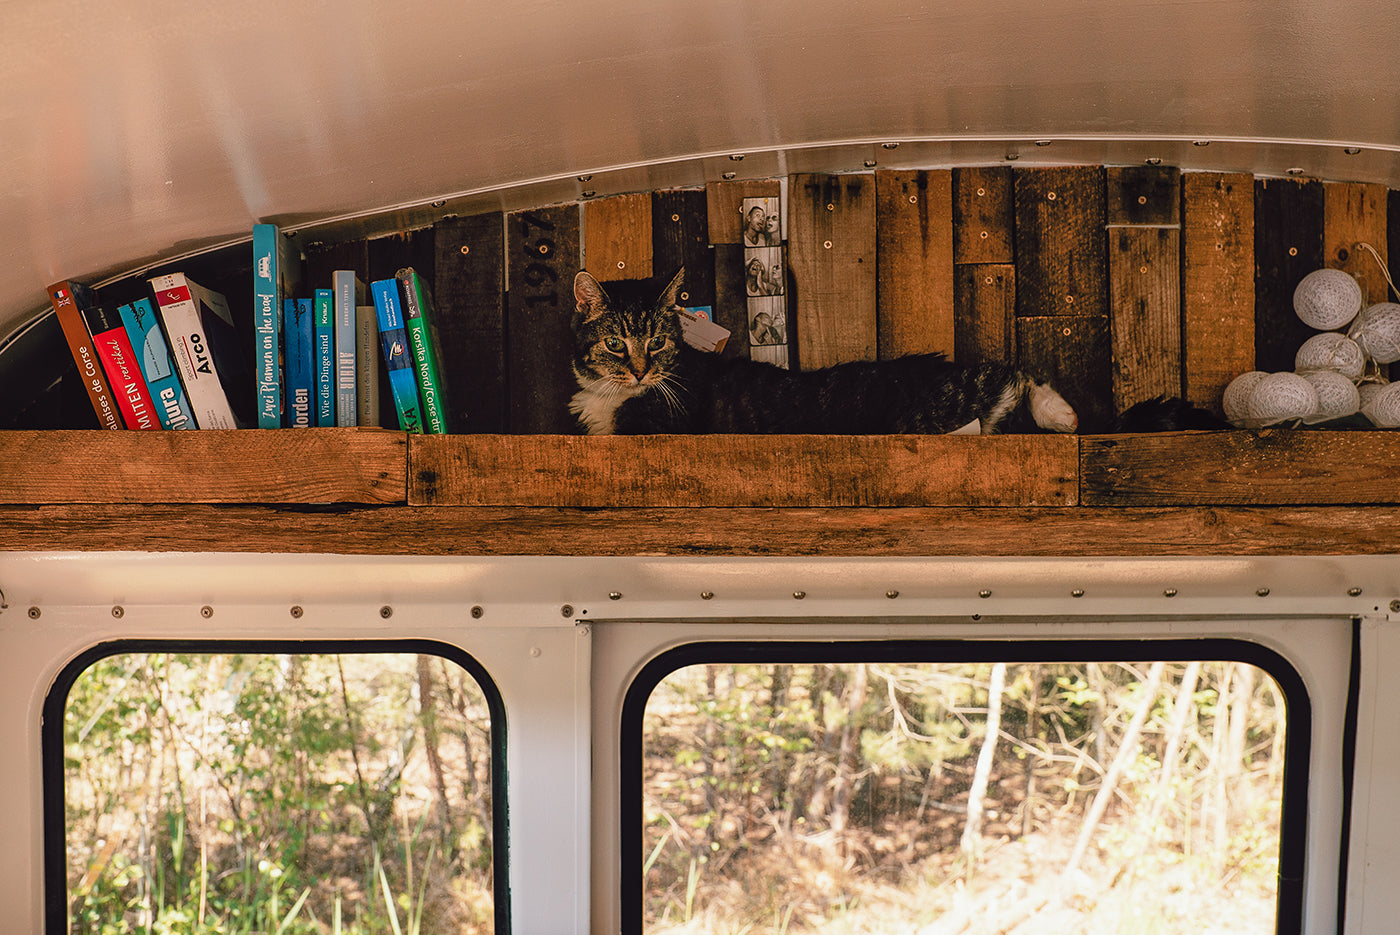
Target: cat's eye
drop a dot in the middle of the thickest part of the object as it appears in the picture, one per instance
(656, 343)
(614, 345)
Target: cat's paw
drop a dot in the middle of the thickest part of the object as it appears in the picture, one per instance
(1050, 410)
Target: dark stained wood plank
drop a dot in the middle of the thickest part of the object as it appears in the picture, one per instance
(1353, 213)
(1144, 274)
(1272, 466)
(322, 260)
(834, 532)
(469, 299)
(1287, 246)
(744, 470)
(831, 255)
(984, 296)
(542, 257)
(388, 255)
(914, 249)
(984, 215)
(731, 308)
(725, 205)
(1075, 355)
(1143, 195)
(1061, 266)
(324, 465)
(617, 237)
(1217, 286)
(680, 237)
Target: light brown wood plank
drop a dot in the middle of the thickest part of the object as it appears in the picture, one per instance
(725, 205)
(1144, 278)
(860, 531)
(1353, 213)
(1275, 466)
(831, 254)
(914, 246)
(744, 470)
(617, 237)
(984, 295)
(1217, 243)
(984, 216)
(322, 465)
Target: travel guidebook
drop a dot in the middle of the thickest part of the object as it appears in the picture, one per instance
(393, 341)
(204, 345)
(153, 353)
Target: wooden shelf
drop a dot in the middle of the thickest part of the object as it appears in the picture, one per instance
(354, 491)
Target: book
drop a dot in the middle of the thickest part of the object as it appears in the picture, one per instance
(114, 349)
(299, 364)
(393, 343)
(349, 295)
(68, 297)
(274, 280)
(423, 342)
(367, 365)
(205, 347)
(153, 354)
(324, 355)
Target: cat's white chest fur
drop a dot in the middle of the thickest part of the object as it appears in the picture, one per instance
(596, 406)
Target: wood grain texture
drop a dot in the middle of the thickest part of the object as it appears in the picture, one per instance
(1144, 276)
(324, 465)
(542, 257)
(1287, 246)
(725, 204)
(744, 470)
(731, 307)
(1061, 267)
(984, 297)
(1075, 355)
(831, 255)
(1355, 212)
(469, 299)
(914, 248)
(617, 237)
(984, 216)
(1143, 195)
(680, 237)
(834, 532)
(1217, 244)
(1257, 468)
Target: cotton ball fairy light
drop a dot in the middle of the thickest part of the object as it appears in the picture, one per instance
(1337, 397)
(1367, 392)
(1377, 332)
(1236, 399)
(1327, 298)
(1331, 351)
(1383, 407)
(1281, 396)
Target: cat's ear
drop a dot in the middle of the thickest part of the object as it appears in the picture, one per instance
(591, 300)
(671, 294)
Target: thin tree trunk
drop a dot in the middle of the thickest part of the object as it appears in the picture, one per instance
(427, 715)
(845, 757)
(1176, 731)
(972, 831)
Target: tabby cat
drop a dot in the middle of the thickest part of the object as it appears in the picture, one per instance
(637, 376)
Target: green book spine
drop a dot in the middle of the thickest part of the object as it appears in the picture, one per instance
(422, 342)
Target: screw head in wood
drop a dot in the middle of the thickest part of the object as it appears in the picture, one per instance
(206, 611)
(118, 611)
(567, 610)
(386, 611)
(478, 612)
(296, 611)
(34, 613)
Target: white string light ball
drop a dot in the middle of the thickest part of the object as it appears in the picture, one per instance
(1383, 406)
(1278, 397)
(1327, 298)
(1331, 351)
(1337, 396)
(1377, 332)
(1236, 399)
(1367, 392)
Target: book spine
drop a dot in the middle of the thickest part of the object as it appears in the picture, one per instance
(418, 321)
(123, 373)
(153, 353)
(347, 297)
(66, 297)
(325, 356)
(267, 300)
(393, 342)
(297, 317)
(367, 365)
(190, 348)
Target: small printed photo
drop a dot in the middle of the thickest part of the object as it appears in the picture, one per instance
(763, 271)
(767, 322)
(762, 222)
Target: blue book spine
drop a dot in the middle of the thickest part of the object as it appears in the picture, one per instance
(267, 307)
(347, 295)
(325, 357)
(299, 322)
(143, 328)
(393, 341)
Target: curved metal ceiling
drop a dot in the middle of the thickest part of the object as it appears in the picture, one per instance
(138, 131)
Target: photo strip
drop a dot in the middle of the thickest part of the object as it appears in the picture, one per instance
(765, 280)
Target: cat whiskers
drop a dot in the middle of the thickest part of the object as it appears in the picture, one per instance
(670, 389)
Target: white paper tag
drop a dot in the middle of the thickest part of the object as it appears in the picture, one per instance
(972, 428)
(700, 332)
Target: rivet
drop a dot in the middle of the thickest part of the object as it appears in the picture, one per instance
(118, 611)
(1077, 592)
(589, 194)
(913, 199)
(984, 593)
(1294, 171)
(1262, 592)
(536, 652)
(890, 145)
(1051, 195)
(466, 249)
(729, 176)
(737, 157)
(1200, 143)
(478, 612)
(799, 595)
(1013, 156)
(707, 595)
(1169, 592)
(1042, 142)
(1352, 150)
(296, 611)
(1153, 161)
(685, 296)
(206, 611)
(34, 613)
(870, 163)
(1394, 607)
(567, 610)
(892, 594)
(1353, 592)
(438, 204)
(614, 595)
(827, 244)
(386, 611)
(976, 616)
(585, 178)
